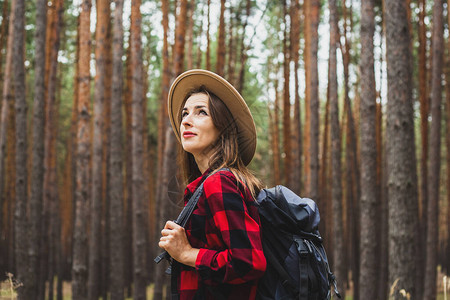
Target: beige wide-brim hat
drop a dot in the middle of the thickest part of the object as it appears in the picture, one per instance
(217, 85)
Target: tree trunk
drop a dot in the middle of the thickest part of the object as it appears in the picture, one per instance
(286, 101)
(105, 226)
(37, 172)
(297, 145)
(208, 42)
(139, 197)
(401, 162)
(163, 125)
(49, 253)
(434, 150)
(336, 189)
(95, 238)
(447, 142)
(169, 168)
(116, 247)
(79, 267)
(7, 98)
(276, 136)
(424, 111)
(312, 9)
(3, 38)
(128, 228)
(369, 200)
(220, 64)
(163, 121)
(20, 214)
(190, 33)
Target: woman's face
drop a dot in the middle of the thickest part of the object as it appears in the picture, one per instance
(198, 132)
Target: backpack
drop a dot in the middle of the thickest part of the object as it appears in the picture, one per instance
(297, 265)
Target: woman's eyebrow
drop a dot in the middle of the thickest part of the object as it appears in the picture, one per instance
(195, 107)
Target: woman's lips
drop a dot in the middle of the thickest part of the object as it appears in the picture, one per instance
(188, 134)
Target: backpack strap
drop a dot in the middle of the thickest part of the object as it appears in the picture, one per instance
(303, 267)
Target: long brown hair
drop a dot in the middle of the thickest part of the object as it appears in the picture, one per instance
(226, 152)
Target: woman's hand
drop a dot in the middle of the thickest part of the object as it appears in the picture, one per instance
(175, 242)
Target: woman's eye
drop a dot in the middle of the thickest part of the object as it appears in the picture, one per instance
(184, 114)
(203, 112)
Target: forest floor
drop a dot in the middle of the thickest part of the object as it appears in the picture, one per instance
(7, 291)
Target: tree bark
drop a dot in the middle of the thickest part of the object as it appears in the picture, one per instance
(434, 150)
(312, 9)
(116, 247)
(369, 200)
(79, 266)
(137, 145)
(424, 111)
(3, 38)
(220, 64)
(286, 101)
(37, 172)
(50, 225)
(163, 124)
(95, 216)
(7, 98)
(296, 182)
(401, 161)
(336, 189)
(20, 214)
(208, 42)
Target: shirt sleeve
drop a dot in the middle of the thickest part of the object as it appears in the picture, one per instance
(243, 259)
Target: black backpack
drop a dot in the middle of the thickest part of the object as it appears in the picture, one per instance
(297, 265)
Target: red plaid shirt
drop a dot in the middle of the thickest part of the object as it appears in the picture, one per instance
(225, 227)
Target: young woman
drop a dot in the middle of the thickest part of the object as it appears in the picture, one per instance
(219, 253)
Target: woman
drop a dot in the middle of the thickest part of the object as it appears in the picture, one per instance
(219, 252)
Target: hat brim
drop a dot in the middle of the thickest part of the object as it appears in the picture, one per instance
(217, 85)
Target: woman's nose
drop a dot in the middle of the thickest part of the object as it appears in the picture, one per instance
(187, 120)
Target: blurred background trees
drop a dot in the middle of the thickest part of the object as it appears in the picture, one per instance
(352, 105)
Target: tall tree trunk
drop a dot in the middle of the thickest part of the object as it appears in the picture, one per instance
(297, 145)
(286, 101)
(95, 216)
(336, 189)
(208, 42)
(139, 197)
(20, 214)
(243, 49)
(434, 150)
(163, 124)
(7, 98)
(424, 111)
(116, 247)
(163, 121)
(10, 190)
(105, 226)
(3, 38)
(401, 161)
(50, 176)
(79, 266)
(352, 188)
(128, 228)
(37, 172)
(190, 33)
(369, 200)
(447, 143)
(220, 63)
(45, 217)
(276, 136)
(312, 9)
(169, 168)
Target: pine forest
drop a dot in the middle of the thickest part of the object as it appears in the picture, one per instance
(351, 100)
